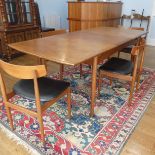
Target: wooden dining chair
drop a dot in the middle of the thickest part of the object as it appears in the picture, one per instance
(124, 69)
(128, 49)
(33, 86)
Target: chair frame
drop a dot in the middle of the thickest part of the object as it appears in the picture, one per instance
(137, 51)
(137, 43)
(29, 72)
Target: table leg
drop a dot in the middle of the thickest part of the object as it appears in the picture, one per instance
(93, 91)
(39, 61)
(42, 61)
(61, 71)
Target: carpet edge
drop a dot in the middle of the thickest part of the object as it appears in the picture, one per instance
(18, 140)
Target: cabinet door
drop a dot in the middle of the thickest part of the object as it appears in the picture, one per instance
(11, 12)
(32, 34)
(1, 53)
(15, 37)
(18, 12)
(26, 11)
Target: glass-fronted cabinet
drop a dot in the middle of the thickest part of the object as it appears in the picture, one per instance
(17, 23)
(11, 11)
(26, 11)
(18, 12)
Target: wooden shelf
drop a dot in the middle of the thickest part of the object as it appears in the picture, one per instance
(136, 16)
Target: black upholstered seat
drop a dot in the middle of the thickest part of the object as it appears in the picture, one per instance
(48, 88)
(118, 65)
(47, 29)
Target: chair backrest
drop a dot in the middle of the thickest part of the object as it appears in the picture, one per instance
(138, 53)
(23, 72)
(136, 50)
(140, 29)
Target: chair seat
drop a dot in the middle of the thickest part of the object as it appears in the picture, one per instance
(118, 65)
(47, 29)
(127, 49)
(48, 88)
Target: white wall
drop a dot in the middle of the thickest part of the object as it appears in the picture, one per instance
(151, 37)
(54, 8)
(139, 5)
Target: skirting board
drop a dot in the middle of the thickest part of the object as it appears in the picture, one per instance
(151, 42)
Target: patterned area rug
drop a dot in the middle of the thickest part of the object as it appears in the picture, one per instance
(105, 133)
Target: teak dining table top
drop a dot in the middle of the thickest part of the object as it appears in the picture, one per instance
(76, 47)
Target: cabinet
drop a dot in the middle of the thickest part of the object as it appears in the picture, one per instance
(17, 23)
(84, 15)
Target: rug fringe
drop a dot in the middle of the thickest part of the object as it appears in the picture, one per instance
(18, 140)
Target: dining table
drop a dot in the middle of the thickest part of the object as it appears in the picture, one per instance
(85, 46)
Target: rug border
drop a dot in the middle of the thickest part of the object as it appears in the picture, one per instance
(137, 122)
(15, 137)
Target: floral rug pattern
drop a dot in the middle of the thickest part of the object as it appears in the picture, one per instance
(105, 133)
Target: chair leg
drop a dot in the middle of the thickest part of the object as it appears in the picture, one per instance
(81, 72)
(45, 63)
(131, 91)
(119, 54)
(132, 58)
(40, 120)
(138, 81)
(8, 110)
(61, 71)
(69, 102)
(110, 81)
(99, 83)
(42, 61)
(39, 61)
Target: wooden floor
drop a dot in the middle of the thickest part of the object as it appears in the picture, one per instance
(142, 140)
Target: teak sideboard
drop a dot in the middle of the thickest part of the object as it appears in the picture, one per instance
(84, 15)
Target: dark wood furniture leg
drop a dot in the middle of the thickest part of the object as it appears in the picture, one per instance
(61, 71)
(93, 91)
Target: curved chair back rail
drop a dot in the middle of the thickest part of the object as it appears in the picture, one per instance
(23, 72)
(136, 28)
